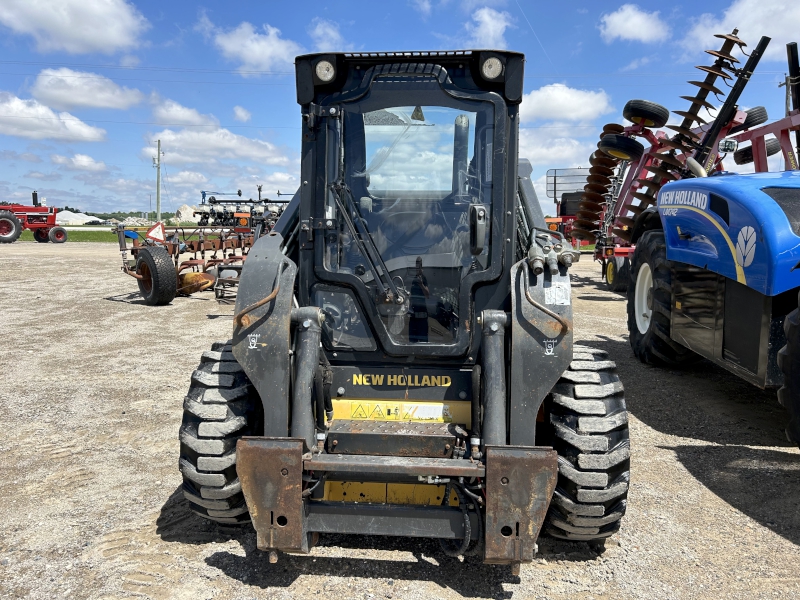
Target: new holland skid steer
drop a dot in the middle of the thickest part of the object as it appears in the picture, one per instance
(402, 360)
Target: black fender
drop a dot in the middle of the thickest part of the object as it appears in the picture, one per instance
(648, 220)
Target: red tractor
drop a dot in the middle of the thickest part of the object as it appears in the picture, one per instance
(14, 218)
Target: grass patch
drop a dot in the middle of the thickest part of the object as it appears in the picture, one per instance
(79, 236)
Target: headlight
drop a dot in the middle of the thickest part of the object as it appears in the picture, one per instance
(325, 71)
(492, 68)
(243, 222)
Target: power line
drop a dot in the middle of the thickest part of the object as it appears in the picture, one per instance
(536, 36)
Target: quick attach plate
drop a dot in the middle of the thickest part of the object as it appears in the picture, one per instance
(392, 438)
(519, 484)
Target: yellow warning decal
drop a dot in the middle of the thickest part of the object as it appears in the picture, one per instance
(456, 411)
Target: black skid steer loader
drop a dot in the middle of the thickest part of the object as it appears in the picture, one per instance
(402, 360)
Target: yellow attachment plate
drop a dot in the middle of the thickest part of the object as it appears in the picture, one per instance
(392, 493)
(454, 411)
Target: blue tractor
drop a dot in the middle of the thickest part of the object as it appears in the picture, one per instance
(716, 275)
(716, 268)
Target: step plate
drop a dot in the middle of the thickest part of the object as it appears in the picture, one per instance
(394, 438)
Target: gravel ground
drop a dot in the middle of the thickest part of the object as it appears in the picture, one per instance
(93, 382)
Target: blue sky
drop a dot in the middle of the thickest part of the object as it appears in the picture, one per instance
(87, 86)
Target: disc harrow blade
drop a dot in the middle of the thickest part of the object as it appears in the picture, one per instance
(684, 131)
(626, 221)
(660, 173)
(598, 180)
(595, 188)
(723, 56)
(602, 161)
(708, 87)
(645, 199)
(650, 183)
(731, 38)
(699, 101)
(621, 233)
(691, 116)
(599, 170)
(583, 234)
(671, 160)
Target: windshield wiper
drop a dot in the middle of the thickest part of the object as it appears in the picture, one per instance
(366, 246)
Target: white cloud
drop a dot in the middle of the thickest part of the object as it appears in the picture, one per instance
(777, 19)
(129, 60)
(169, 112)
(629, 22)
(9, 155)
(35, 121)
(241, 114)
(636, 63)
(557, 101)
(255, 51)
(78, 162)
(488, 30)
(209, 147)
(424, 7)
(76, 26)
(326, 36)
(546, 151)
(187, 178)
(66, 89)
(43, 176)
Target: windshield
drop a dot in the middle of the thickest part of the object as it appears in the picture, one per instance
(410, 177)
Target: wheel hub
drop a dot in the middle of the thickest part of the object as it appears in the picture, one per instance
(643, 298)
(6, 227)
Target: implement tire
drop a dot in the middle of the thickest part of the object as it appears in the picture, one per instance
(589, 430)
(744, 156)
(789, 363)
(618, 273)
(621, 147)
(10, 227)
(644, 112)
(221, 407)
(650, 305)
(159, 282)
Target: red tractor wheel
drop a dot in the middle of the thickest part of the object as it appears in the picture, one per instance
(58, 235)
(41, 235)
(10, 227)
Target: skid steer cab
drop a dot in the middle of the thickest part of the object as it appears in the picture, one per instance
(402, 360)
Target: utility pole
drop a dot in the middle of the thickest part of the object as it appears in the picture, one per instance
(157, 165)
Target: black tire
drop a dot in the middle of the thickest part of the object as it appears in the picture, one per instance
(755, 116)
(643, 112)
(589, 424)
(744, 156)
(41, 235)
(221, 407)
(789, 363)
(621, 147)
(10, 227)
(653, 345)
(618, 273)
(159, 282)
(58, 235)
